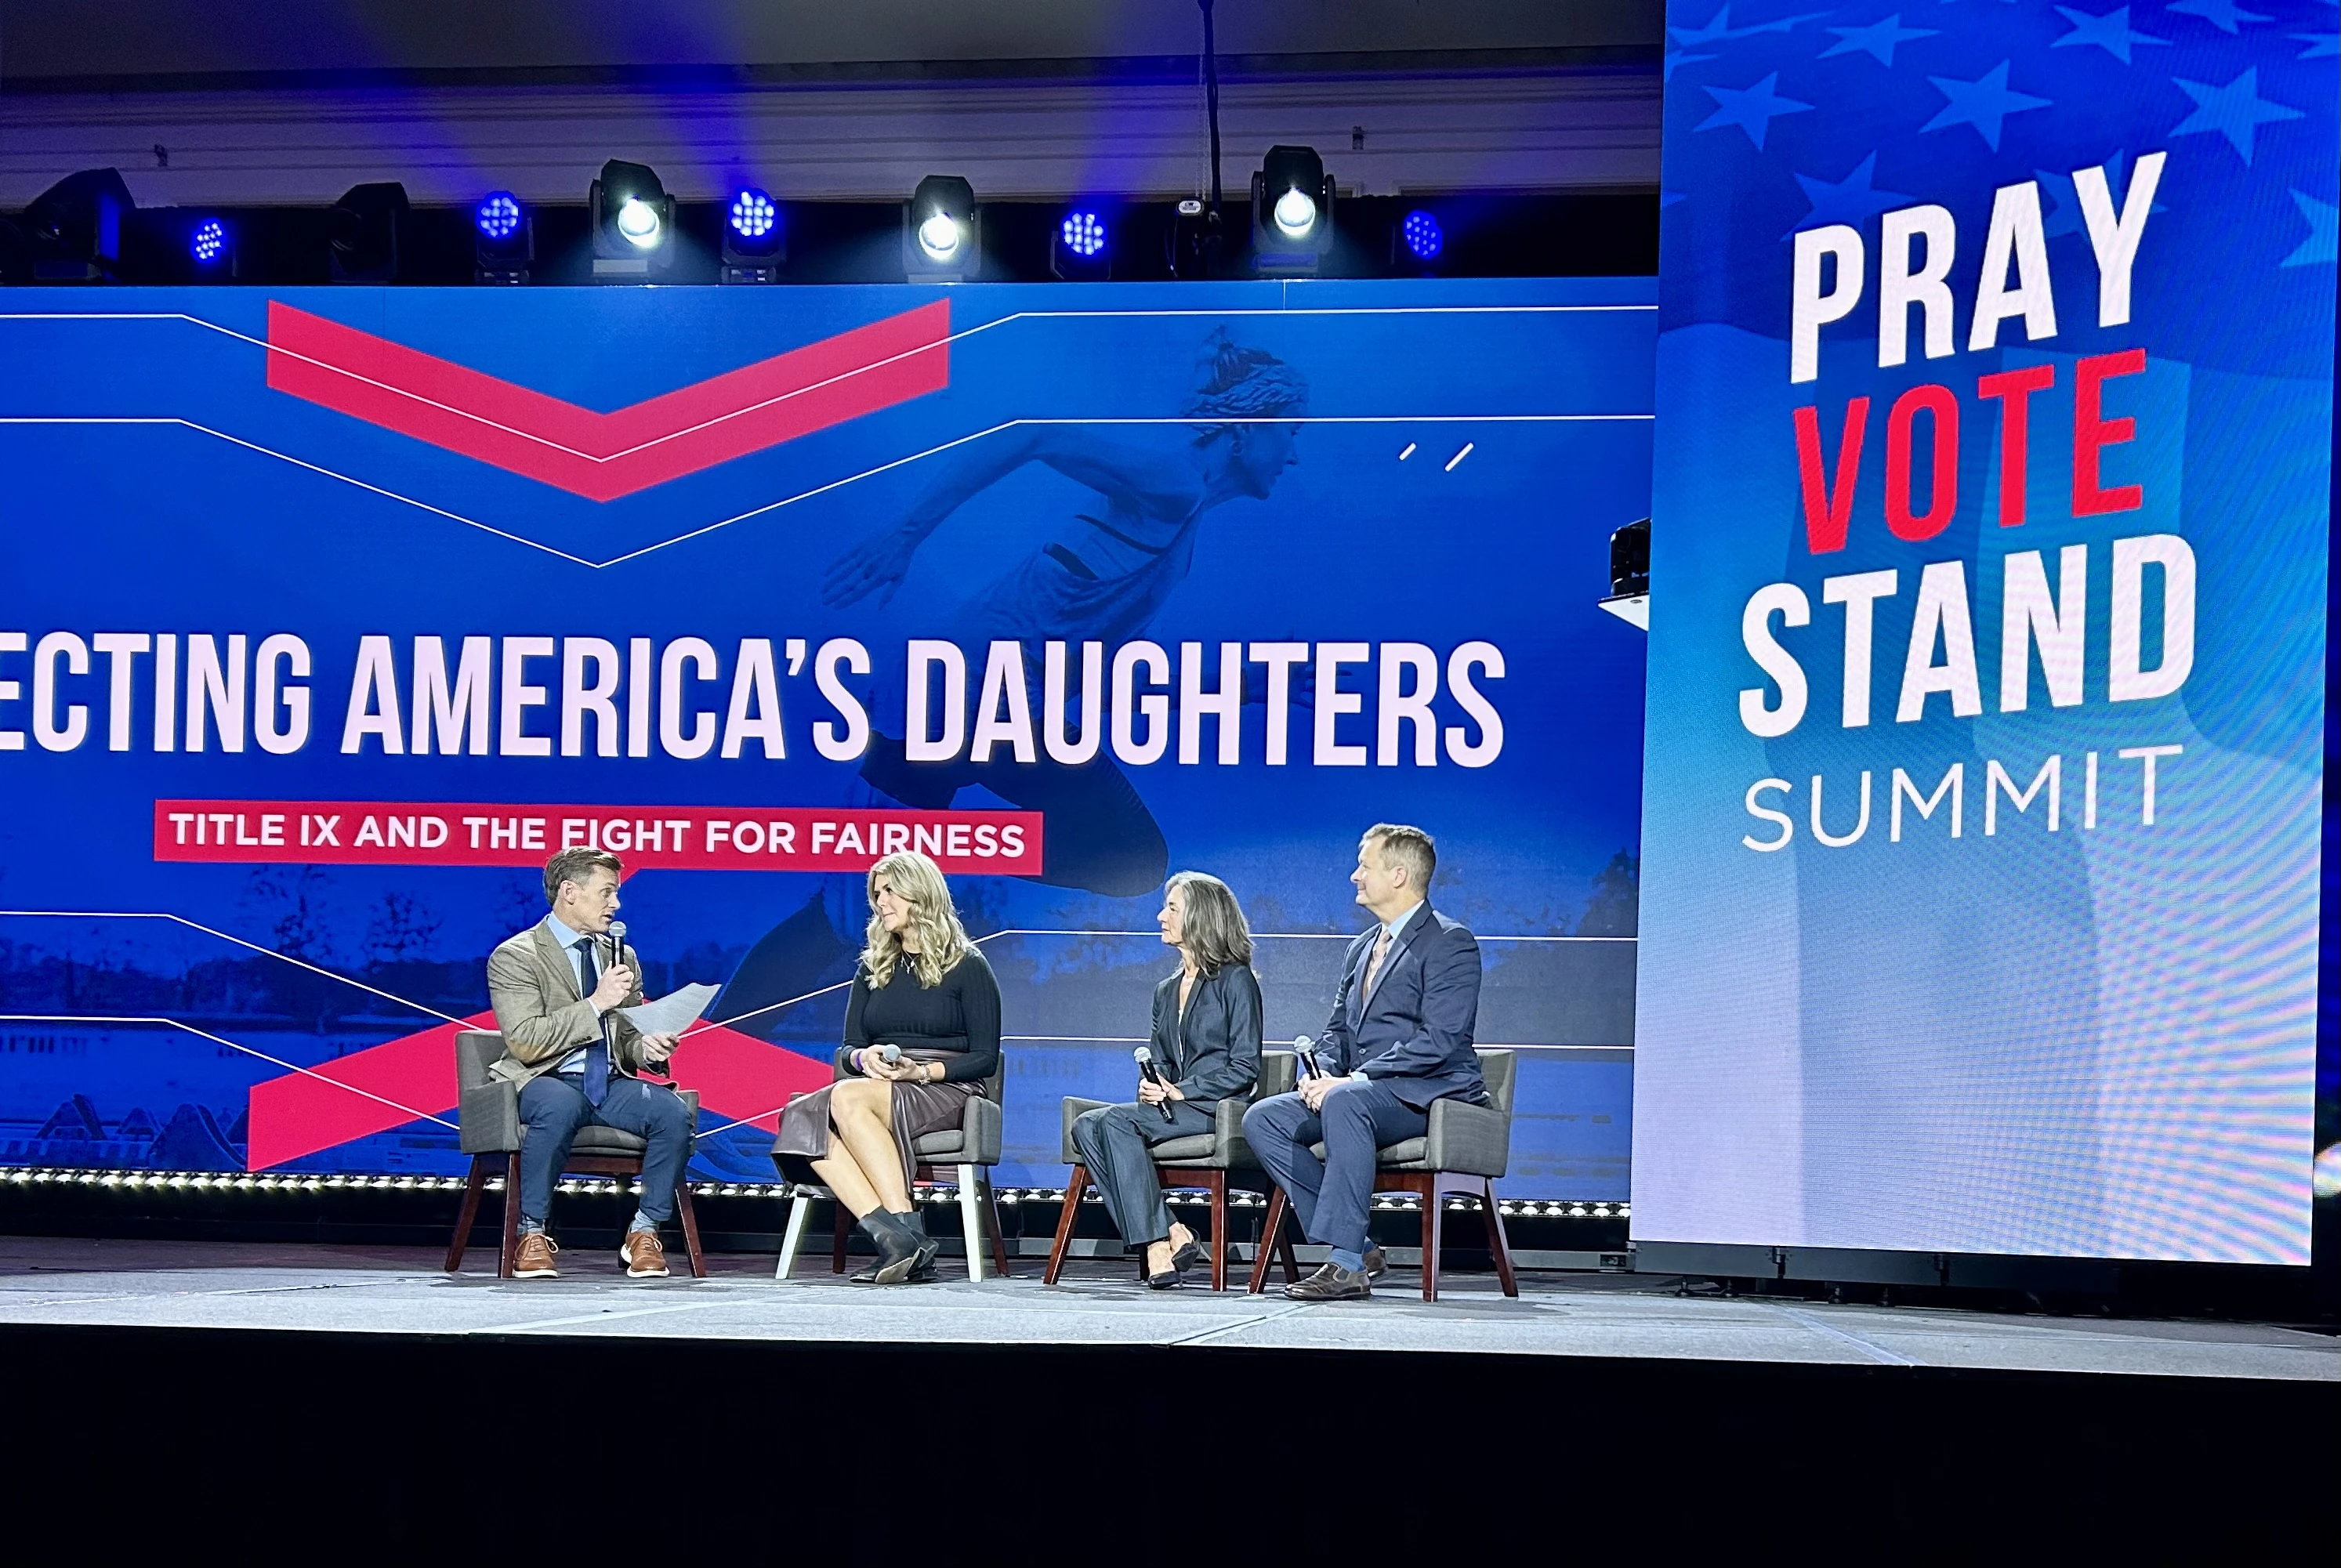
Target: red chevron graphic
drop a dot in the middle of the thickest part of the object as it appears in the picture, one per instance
(736, 1074)
(603, 456)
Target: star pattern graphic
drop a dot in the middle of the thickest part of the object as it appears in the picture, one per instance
(1676, 58)
(2223, 14)
(2233, 111)
(1876, 40)
(2324, 242)
(1751, 108)
(2189, 71)
(1719, 30)
(2111, 31)
(1852, 200)
(1984, 103)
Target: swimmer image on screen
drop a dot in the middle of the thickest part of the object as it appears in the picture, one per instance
(1104, 579)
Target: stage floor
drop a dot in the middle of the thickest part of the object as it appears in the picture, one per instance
(397, 1291)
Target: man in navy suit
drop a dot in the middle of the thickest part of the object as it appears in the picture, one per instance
(1399, 1038)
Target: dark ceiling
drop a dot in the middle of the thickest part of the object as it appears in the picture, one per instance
(131, 45)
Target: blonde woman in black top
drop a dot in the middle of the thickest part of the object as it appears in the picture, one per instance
(1206, 1047)
(922, 987)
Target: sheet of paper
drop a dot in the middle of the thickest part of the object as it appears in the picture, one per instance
(673, 1013)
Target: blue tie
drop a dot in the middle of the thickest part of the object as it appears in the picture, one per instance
(597, 1055)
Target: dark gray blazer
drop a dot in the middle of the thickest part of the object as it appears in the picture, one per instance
(1414, 1033)
(1213, 1053)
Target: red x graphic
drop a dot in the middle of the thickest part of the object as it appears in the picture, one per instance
(736, 1074)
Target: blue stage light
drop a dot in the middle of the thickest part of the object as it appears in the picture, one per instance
(1085, 234)
(208, 241)
(498, 215)
(753, 215)
(1423, 236)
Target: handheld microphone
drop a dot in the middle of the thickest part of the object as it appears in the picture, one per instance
(617, 935)
(1152, 1074)
(890, 1053)
(1306, 1048)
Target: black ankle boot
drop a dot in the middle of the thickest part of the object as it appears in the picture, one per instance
(898, 1248)
(915, 1223)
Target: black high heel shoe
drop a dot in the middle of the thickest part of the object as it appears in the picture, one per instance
(1175, 1276)
(1187, 1257)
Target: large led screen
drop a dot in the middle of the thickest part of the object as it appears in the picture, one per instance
(1987, 630)
(328, 614)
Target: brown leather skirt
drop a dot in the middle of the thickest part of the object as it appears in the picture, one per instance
(918, 1110)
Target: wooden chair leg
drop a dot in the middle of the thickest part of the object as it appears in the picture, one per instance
(509, 1251)
(690, 1218)
(837, 1248)
(1077, 1186)
(1498, 1244)
(1218, 1182)
(1271, 1236)
(1433, 1211)
(999, 1232)
(473, 1187)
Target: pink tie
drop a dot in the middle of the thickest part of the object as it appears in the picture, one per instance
(1374, 965)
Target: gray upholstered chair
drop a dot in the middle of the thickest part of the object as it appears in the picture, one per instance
(1206, 1160)
(1465, 1148)
(969, 1151)
(492, 1133)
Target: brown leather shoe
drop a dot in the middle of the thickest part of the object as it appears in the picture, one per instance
(534, 1259)
(1377, 1263)
(1332, 1282)
(643, 1256)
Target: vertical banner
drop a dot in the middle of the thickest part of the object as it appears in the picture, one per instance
(1991, 517)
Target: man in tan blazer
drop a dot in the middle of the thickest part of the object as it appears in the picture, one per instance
(556, 986)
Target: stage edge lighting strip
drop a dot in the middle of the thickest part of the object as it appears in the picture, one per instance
(65, 1176)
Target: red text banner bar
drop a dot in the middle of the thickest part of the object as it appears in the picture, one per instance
(675, 837)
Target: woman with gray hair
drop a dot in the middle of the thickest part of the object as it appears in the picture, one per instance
(1205, 1047)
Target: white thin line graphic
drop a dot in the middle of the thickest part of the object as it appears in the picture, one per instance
(217, 1039)
(224, 937)
(944, 343)
(786, 501)
(1113, 1039)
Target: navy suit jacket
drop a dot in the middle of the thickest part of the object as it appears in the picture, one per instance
(1414, 1031)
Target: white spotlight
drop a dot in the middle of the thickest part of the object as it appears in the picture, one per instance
(1296, 214)
(639, 222)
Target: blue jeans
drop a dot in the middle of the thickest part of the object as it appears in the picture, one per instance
(1332, 1195)
(553, 1107)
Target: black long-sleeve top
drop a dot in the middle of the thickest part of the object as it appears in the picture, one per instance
(956, 1022)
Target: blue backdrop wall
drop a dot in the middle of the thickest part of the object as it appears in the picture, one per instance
(328, 614)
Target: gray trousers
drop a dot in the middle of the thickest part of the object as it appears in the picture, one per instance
(1113, 1141)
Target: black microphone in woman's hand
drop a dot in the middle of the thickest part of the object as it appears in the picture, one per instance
(1152, 1074)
